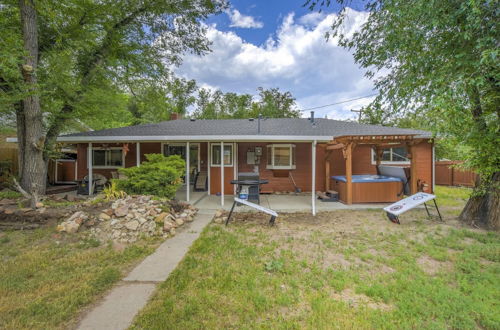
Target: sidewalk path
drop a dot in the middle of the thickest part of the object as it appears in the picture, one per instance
(122, 304)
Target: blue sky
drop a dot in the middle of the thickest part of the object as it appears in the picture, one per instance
(281, 44)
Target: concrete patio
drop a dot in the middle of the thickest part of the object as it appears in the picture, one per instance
(278, 203)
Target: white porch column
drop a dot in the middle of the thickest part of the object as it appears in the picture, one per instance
(91, 161)
(187, 171)
(222, 173)
(433, 168)
(138, 154)
(235, 165)
(209, 165)
(313, 184)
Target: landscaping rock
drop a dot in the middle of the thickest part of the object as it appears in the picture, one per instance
(130, 218)
(121, 211)
(160, 217)
(132, 225)
(104, 216)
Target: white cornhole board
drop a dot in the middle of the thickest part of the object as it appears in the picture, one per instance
(409, 203)
(256, 206)
(237, 200)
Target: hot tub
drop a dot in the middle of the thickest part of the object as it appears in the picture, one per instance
(368, 188)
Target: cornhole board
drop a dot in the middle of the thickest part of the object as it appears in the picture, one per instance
(408, 203)
(258, 207)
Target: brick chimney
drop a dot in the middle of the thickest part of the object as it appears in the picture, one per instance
(175, 116)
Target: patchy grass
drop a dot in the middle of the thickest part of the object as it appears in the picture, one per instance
(47, 278)
(343, 269)
(452, 196)
(10, 194)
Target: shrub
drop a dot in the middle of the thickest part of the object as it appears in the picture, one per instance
(159, 176)
(112, 192)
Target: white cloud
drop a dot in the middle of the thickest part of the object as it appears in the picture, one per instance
(298, 59)
(243, 21)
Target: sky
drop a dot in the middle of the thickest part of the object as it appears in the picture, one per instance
(281, 44)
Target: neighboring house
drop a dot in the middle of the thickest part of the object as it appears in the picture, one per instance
(312, 150)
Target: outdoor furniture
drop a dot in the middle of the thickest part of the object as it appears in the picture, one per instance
(394, 210)
(83, 186)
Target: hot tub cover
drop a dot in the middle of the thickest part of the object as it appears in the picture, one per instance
(360, 178)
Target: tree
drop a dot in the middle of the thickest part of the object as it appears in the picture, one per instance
(85, 51)
(439, 59)
(271, 104)
(29, 113)
(154, 100)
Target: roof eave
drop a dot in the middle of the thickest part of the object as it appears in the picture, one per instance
(202, 138)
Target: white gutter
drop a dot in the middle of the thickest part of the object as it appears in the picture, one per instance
(202, 138)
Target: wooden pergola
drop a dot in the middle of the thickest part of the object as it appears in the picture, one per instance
(379, 143)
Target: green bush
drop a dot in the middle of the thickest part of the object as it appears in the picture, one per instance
(159, 176)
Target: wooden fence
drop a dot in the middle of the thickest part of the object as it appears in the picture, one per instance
(8, 163)
(447, 175)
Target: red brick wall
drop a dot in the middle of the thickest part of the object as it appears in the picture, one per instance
(301, 174)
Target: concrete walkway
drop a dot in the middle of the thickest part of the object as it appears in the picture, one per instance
(122, 304)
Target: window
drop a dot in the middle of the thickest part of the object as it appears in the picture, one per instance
(281, 156)
(392, 155)
(107, 158)
(228, 155)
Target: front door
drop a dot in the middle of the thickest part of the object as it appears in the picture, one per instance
(229, 168)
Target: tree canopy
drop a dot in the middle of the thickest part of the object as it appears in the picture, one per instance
(91, 52)
(438, 60)
(271, 103)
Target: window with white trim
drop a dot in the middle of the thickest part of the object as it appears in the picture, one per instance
(108, 158)
(392, 156)
(280, 156)
(228, 155)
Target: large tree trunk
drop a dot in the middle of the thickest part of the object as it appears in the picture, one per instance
(484, 210)
(33, 170)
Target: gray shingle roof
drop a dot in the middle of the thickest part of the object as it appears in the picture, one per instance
(302, 127)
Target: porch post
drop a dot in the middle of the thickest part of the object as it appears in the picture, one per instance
(327, 171)
(209, 164)
(138, 154)
(235, 165)
(91, 161)
(187, 171)
(313, 184)
(222, 173)
(413, 169)
(348, 172)
(433, 167)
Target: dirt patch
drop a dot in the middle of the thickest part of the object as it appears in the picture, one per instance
(14, 216)
(431, 266)
(355, 300)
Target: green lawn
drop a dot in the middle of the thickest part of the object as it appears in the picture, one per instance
(46, 279)
(344, 269)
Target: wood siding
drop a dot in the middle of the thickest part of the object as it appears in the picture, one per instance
(362, 164)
